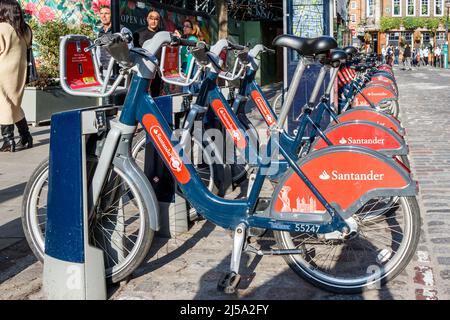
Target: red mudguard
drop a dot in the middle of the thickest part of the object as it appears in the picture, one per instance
(372, 115)
(375, 93)
(364, 134)
(346, 178)
(382, 79)
(385, 84)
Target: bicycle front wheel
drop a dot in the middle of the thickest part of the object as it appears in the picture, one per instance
(380, 250)
(119, 225)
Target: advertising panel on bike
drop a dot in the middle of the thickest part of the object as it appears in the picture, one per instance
(353, 174)
(80, 65)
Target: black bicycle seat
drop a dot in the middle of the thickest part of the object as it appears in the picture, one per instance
(306, 46)
(338, 55)
(350, 51)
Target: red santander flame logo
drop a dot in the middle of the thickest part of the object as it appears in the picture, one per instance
(230, 125)
(263, 108)
(166, 149)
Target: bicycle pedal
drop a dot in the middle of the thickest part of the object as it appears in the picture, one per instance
(229, 282)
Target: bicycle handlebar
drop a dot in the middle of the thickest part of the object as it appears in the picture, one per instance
(233, 46)
(177, 41)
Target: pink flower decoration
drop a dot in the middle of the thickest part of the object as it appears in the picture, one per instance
(98, 4)
(30, 9)
(46, 14)
(131, 4)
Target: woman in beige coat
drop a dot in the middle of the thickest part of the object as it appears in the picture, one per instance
(15, 38)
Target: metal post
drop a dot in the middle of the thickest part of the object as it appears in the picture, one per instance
(115, 15)
(447, 5)
(115, 21)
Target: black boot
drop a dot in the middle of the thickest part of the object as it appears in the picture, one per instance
(26, 141)
(9, 145)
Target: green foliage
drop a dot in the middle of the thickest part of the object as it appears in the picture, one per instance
(389, 23)
(410, 23)
(432, 24)
(46, 47)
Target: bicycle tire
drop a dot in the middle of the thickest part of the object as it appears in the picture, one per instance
(305, 266)
(36, 238)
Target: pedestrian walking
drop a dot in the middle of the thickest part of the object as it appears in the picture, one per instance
(383, 53)
(389, 55)
(425, 54)
(407, 57)
(396, 55)
(15, 39)
(437, 57)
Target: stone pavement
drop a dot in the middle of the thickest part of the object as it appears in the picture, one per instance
(189, 266)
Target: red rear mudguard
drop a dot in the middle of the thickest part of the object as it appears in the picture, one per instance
(346, 177)
(375, 93)
(372, 115)
(364, 134)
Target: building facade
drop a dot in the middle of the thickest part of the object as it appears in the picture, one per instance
(419, 23)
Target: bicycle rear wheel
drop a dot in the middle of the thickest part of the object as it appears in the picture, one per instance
(381, 249)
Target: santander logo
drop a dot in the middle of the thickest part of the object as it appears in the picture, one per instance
(362, 141)
(260, 103)
(377, 94)
(324, 176)
(174, 160)
(229, 124)
(339, 176)
(166, 149)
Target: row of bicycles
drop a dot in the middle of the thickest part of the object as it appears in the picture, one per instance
(343, 210)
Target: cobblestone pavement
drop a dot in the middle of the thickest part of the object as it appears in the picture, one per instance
(189, 266)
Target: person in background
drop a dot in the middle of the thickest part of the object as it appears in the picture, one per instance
(425, 55)
(389, 54)
(154, 168)
(396, 55)
(383, 54)
(147, 33)
(192, 32)
(437, 56)
(15, 39)
(103, 55)
(407, 57)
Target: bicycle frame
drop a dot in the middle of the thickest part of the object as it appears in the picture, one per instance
(139, 106)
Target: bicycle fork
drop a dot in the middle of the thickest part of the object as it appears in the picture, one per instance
(116, 151)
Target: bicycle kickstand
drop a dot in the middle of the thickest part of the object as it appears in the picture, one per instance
(229, 281)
